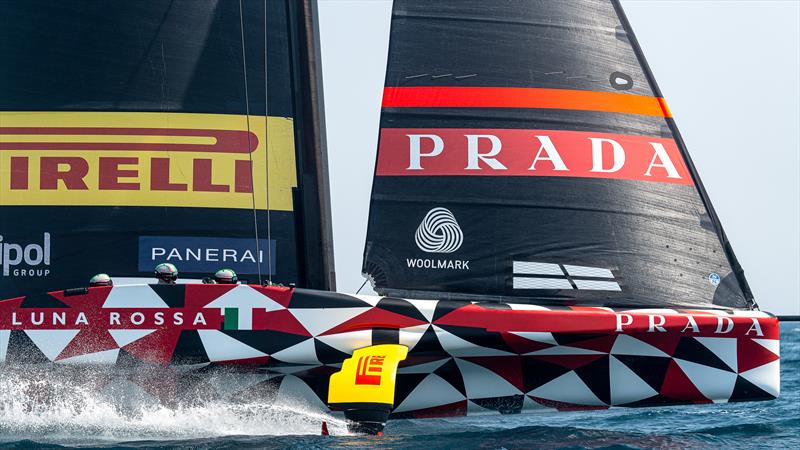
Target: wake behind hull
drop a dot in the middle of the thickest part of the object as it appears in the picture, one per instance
(464, 357)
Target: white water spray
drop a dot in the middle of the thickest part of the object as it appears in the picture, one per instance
(53, 404)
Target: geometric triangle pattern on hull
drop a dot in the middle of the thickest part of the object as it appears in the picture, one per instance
(464, 358)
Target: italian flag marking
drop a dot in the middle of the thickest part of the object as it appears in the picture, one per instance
(238, 318)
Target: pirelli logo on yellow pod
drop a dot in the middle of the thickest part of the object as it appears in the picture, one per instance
(145, 159)
(368, 377)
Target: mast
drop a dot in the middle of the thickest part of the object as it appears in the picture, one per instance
(313, 185)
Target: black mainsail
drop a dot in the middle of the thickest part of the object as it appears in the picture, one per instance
(133, 133)
(526, 152)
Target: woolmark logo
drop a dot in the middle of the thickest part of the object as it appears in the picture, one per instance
(31, 255)
(439, 232)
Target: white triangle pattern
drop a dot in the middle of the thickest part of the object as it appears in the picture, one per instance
(125, 337)
(456, 346)
(724, 348)
(348, 342)
(715, 384)
(526, 307)
(481, 382)
(51, 342)
(567, 388)
(767, 377)
(137, 296)
(538, 336)
(629, 345)
(529, 405)
(474, 408)
(410, 336)
(302, 353)
(626, 386)
(320, 320)
(426, 307)
(431, 391)
(773, 345)
(243, 296)
(372, 300)
(221, 347)
(106, 357)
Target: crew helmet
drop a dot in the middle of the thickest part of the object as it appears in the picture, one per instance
(166, 273)
(101, 279)
(225, 276)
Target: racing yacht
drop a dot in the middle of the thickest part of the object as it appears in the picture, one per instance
(538, 237)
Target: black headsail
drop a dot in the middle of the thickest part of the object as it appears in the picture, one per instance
(526, 152)
(133, 133)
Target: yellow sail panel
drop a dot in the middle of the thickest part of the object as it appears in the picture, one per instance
(146, 159)
(368, 376)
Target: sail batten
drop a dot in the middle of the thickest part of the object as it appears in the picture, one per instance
(537, 127)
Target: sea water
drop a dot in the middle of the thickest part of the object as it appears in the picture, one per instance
(73, 416)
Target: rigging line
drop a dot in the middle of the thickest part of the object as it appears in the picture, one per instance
(362, 285)
(266, 148)
(247, 111)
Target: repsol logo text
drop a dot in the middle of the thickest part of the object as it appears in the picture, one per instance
(32, 256)
(440, 264)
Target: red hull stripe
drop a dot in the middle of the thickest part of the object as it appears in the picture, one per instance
(538, 98)
(221, 141)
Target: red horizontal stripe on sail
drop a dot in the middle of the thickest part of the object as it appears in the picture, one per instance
(548, 153)
(514, 97)
(226, 141)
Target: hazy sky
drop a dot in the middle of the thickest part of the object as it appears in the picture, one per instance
(729, 70)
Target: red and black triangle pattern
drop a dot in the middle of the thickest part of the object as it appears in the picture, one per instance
(464, 358)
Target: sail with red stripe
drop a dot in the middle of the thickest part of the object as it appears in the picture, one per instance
(526, 152)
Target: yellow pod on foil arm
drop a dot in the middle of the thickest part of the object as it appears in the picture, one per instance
(368, 377)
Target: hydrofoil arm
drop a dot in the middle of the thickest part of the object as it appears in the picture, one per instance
(364, 388)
